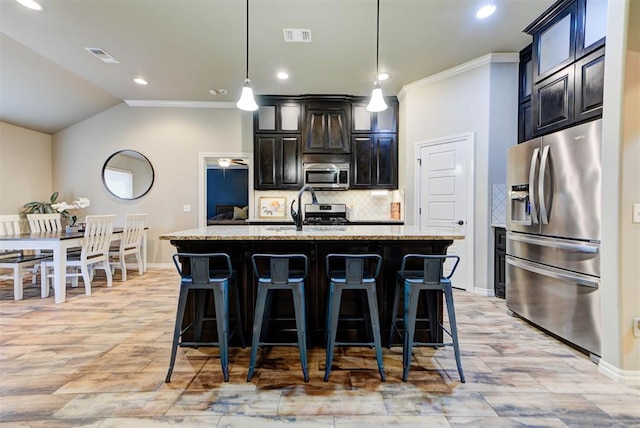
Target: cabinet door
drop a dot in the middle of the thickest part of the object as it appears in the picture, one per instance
(266, 157)
(553, 102)
(326, 132)
(554, 45)
(362, 160)
(589, 83)
(375, 162)
(291, 170)
(278, 116)
(592, 26)
(277, 162)
(525, 122)
(525, 72)
(364, 121)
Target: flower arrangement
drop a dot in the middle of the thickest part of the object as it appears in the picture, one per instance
(66, 210)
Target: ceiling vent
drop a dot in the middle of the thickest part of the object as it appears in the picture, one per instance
(102, 55)
(297, 35)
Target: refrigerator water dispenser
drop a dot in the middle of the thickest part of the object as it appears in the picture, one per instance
(520, 207)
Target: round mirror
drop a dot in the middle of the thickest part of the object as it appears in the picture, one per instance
(127, 174)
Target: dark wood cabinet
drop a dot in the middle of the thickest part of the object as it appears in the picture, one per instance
(366, 122)
(278, 115)
(589, 86)
(277, 162)
(567, 68)
(374, 161)
(326, 127)
(552, 101)
(500, 254)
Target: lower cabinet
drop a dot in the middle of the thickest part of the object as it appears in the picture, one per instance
(374, 161)
(500, 253)
(277, 162)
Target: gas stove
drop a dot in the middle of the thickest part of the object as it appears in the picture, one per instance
(325, 214)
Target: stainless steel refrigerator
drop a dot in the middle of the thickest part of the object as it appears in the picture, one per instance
(553, 233)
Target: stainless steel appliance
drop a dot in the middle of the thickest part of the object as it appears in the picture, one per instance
(326, 176)
(553, 233)
(325, 214)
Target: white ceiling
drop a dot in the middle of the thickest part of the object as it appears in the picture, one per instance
(48, 81)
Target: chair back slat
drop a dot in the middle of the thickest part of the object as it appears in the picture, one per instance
(9, 224)
(432, 267)
(133, 230)
(97, 235)
(201, 267)
(357, 267)
(44, 222)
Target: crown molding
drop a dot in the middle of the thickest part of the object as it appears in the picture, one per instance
(181, 104)
(459, 69)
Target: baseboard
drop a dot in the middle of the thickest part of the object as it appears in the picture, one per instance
(624, 377)
(160, 265)
(483, 292)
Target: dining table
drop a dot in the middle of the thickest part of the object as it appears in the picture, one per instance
(59, 242)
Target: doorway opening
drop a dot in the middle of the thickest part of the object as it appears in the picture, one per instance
(224, 185)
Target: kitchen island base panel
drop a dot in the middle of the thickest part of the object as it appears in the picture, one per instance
(281, 326)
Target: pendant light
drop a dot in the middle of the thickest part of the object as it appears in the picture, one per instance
(377, 100)
(246, 101)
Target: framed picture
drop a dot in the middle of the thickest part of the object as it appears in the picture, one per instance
(272, 207)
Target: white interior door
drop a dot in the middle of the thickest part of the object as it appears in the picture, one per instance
(445, 197)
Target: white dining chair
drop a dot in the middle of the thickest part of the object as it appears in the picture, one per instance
(94, 254)
(130, 244)
(20, 263)
(44, 222)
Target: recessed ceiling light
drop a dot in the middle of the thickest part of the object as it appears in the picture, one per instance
(31, 4)
(485, 11)
(383, 76)
(282, 75)
(140, 81)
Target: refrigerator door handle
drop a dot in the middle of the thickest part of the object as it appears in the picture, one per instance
(532, 177)
(544, 217)
(553, 273)
(584, 247)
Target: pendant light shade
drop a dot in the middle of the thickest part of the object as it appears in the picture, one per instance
(246, 101)
(377, 100)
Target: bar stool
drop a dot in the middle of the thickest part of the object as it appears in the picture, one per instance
(430, 278)
(203, 279)
(279, 276)
(355, 275)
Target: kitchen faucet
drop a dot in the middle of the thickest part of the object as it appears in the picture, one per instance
(297, 216)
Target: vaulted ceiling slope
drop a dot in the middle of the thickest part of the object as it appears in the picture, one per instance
(184, 48)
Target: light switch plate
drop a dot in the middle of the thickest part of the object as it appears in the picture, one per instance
(636, 213)
(186, 208)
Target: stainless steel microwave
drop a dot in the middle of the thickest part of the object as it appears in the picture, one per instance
(326, 176)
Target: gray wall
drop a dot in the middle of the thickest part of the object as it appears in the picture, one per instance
(170, 138)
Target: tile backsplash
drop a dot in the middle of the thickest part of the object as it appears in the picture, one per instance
(363, 204)
(498, 204)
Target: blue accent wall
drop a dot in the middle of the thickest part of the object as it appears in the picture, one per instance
(230, 188)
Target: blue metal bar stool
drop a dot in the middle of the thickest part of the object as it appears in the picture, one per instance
(354, 273)
(279, 276)
(202, 279)
(430, 278)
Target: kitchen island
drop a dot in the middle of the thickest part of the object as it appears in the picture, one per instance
(390, 241)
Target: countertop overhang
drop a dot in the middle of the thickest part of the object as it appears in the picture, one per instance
(311, 233)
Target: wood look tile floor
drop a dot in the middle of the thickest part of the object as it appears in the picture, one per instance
(101, 360)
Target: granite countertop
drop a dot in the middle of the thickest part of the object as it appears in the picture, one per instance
(310, 233)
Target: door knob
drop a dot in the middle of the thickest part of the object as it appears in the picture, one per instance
(459, 222)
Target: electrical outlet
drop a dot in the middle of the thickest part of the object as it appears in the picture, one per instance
(636, 213)
(636, 327)
(186, 208)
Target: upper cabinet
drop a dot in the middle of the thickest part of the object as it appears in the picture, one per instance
(562, 73)
(280, 115)
(326, 126)
(364, 121)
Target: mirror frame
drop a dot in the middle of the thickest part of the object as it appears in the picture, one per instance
(144, 158)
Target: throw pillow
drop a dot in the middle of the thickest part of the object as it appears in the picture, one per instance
(240, 213)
